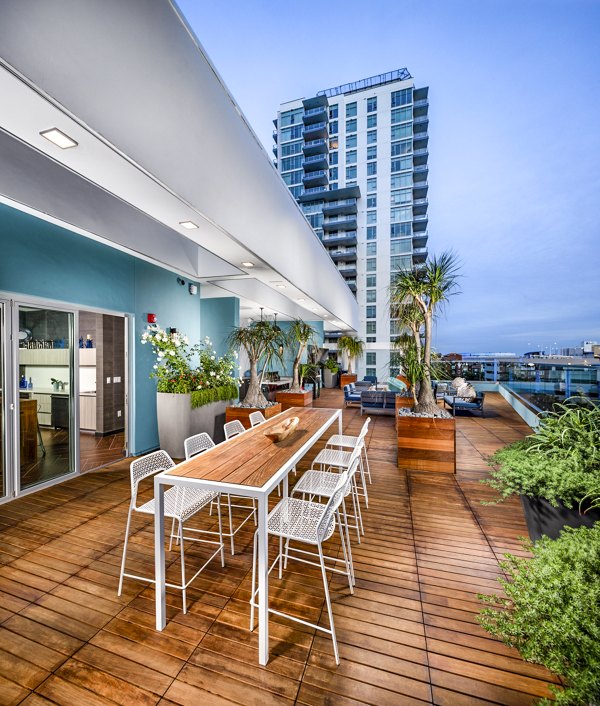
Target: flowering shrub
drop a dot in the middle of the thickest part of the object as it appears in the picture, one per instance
(175, 367)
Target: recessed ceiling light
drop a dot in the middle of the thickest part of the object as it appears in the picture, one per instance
(188, 225)
(247, 264)
(58, 138)
(301, 300)
(281, 286)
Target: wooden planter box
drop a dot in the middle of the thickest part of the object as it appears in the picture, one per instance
(402, 401)
(346, 379)
(426, 444)
(243, 413)
(295, 399)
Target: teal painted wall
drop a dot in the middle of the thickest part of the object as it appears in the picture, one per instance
(217, 319)
(44, 260)
(288, 356)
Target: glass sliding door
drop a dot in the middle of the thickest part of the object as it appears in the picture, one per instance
(4, 426)
(45, 393)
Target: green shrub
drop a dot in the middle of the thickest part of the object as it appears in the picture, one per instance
(551, 612)
(559, 462)
(199, 398)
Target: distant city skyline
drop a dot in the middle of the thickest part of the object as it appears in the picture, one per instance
(514, 170)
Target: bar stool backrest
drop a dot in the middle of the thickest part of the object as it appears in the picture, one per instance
(233, 428)
(256, 418)
(196, 444)
(147, 466)
(332, 505)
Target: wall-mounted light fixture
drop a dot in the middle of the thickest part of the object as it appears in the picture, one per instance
(180, 281)
(193, 289)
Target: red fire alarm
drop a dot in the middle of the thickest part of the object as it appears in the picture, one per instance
(151, 318)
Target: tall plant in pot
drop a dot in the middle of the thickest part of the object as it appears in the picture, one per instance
(417, 296)
(354, 348)
(261, 341)
(298, 336)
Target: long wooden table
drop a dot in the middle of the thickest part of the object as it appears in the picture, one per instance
(252, 466)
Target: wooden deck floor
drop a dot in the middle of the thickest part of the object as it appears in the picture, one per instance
(407, 636)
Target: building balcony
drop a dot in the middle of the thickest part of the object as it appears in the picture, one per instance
(420, 140)
(419, 255)
(347, 271)
(340, 207)
(422, 103)
(419, 239)
(421, 152)
(275, 135)
(345, 255)
(315, 131)
(316, 161)
(315, 115)
(420, 189)
(312, 147)
(352, 285)
(336, 239)
(421, 120)
(340, 223)
(314, 193)
(420, 219)
(420, 169)
(315, 102)
(274, 148)
(420, 207)
(320, 177)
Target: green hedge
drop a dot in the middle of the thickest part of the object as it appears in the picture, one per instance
(199, 398)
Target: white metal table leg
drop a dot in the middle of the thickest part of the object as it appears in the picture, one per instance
(263, 581)
(285, 486)
(159, 554)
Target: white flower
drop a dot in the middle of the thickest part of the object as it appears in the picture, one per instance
(186, 339)
(235, 354)
(143, 341)
(160, 355)
(155, 366)
(177, 343)
(212, 372)
(213, 357)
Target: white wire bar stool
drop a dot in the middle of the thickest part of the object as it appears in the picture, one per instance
(345, 441)
(336, 458)
(180, 505)
(310, 524)
(321, 484)
(233, 428)
(256, 418)
(197, 444)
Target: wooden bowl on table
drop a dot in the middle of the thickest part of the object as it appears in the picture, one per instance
(282, 430)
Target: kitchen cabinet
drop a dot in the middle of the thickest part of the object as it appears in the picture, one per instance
(87, 412)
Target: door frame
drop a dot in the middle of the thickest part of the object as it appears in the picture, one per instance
(11, 301)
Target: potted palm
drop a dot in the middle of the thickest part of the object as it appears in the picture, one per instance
(194, 385)
(353, 349)
(426, 432)
(261, 341)
(298, 337)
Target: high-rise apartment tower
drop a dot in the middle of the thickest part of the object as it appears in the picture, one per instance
(355, 159)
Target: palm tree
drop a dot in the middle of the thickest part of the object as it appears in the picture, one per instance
(353, 347)
(260, 340)
(424, 292)
(298, 337)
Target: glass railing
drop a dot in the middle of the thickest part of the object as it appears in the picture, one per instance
(338, 219)
(341, 202)
(315, 158)
(314, 111)
(314, 126)
(315, 143)
(349, 234)
(350, 254)
(315, 190)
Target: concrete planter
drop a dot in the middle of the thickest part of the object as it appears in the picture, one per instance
(544, 519)
(177, 420)
(329, 379)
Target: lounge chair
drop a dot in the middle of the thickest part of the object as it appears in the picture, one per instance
(470, 404)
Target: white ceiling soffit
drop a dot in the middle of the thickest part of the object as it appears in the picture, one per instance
(132, 80)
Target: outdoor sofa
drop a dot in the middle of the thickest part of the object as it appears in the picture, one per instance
(469, 404)
(378, 402)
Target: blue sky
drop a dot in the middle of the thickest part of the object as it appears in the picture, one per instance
(514, 137)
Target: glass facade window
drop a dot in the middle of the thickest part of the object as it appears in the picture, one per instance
(371, 201)
(371, 168)
(372, 152)
(333, 112)
(371, 358)
(372, 104)
(333, 127)
(371, 264)
(371, 327)
(312, 207)
(333, 173)
(351, 172)
(400, 115)
(371, 280)
(400, 148)
(371, 232)
(333, 157)
(399, 180)
(399, 165)
(371, 217)
(316, 220)
(351, 125)
(372, 120)
(402, 97)
(401, 247)
(291, 148)
(291, 117)
(291, 133)
(371, 371)
(401, 214)
(371, 312)
(371, 249)
(351, 157)
(333, 143)
(371, 339)
(291, 178)
(400, 262)
(291, 163)
(372, 137)
(351, 110)
(371, 296)
(350, 141)
(296, 191)
(400, 131)
(400, 197)
(372, 184)
(400, 230)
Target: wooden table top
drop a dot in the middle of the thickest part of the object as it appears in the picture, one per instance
(251, 459)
